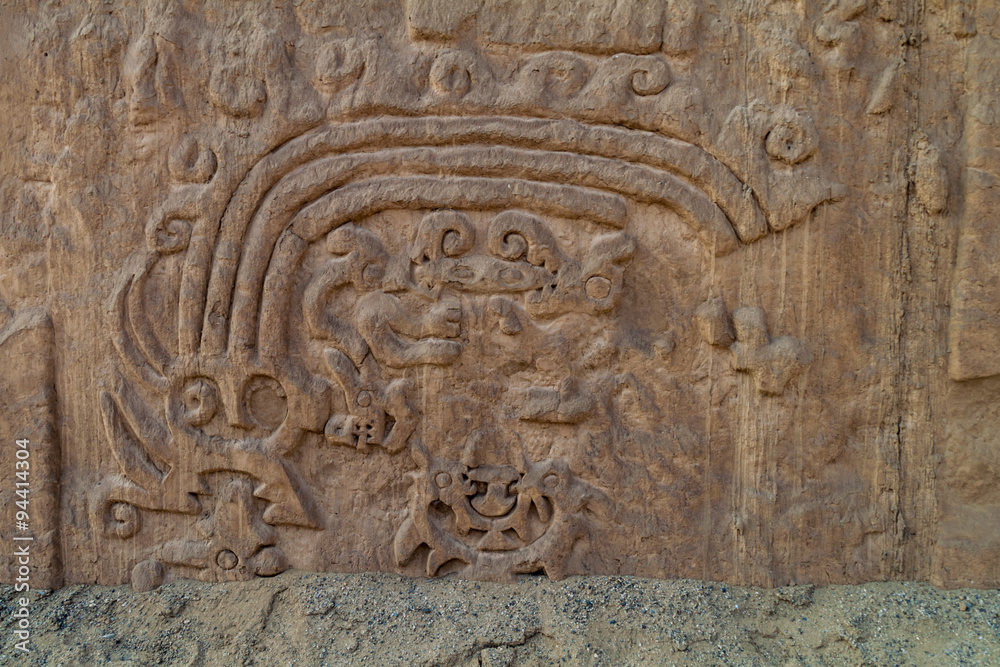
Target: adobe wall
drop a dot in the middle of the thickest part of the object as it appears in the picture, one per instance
(494, 287)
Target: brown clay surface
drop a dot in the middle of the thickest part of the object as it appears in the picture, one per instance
(491, 288)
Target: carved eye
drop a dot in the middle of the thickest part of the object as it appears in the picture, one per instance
(123, 520)
(511, 276)
(550, 481)
(442, 479)
(339, 63)
(451, 73)
(226, 559)
(598, 288)
(791, 141)
(563, 74)
(201, 401)
(265, 402)
(171, 235)
(364, 398)
(452, 244)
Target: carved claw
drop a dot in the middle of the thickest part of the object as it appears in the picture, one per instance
(343, 335)
(395, 400)
(444, 319)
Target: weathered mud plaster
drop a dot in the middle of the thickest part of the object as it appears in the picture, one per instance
(493, 287)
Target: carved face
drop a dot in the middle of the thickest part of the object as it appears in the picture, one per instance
(498, 315)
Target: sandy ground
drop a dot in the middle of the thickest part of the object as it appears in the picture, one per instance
(379, 619)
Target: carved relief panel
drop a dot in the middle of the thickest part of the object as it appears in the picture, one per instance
(450, 299)
(435, 291)
(446, 291)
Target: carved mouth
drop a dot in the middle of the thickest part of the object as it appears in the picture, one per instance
(497, 486)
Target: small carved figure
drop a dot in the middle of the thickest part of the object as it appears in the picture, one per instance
(772, 362)
(378, 413)
(501, 519)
